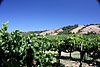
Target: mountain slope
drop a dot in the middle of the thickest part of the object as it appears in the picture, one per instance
(77, 29)
(91, 29)
(51, 32)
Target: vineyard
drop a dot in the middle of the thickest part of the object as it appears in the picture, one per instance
(27, 50)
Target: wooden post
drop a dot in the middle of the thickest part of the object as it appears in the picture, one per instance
(70, 51)
(81, 55)
(59, 52)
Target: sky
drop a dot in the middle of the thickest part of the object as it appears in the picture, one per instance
(36, 15)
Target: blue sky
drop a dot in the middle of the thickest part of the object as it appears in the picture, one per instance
(32, 15)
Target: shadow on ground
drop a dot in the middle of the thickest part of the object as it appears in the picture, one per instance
(89, 62)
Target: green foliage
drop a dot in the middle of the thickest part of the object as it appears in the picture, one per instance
(33, 32)
(72, 42)
(29, 50)
(19, 50)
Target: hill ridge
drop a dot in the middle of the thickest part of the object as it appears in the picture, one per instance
(77, 29)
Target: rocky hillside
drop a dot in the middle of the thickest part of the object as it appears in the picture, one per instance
(92, 29)
(77, 29)
(63, 30)
(51, 32)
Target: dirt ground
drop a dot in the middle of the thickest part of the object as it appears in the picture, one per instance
(66, 61)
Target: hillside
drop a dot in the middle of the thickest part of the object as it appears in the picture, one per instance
(51, 32)
(77, 29)
(93, 29)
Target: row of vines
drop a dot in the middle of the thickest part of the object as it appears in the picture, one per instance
(85, 44)
(19, 50)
